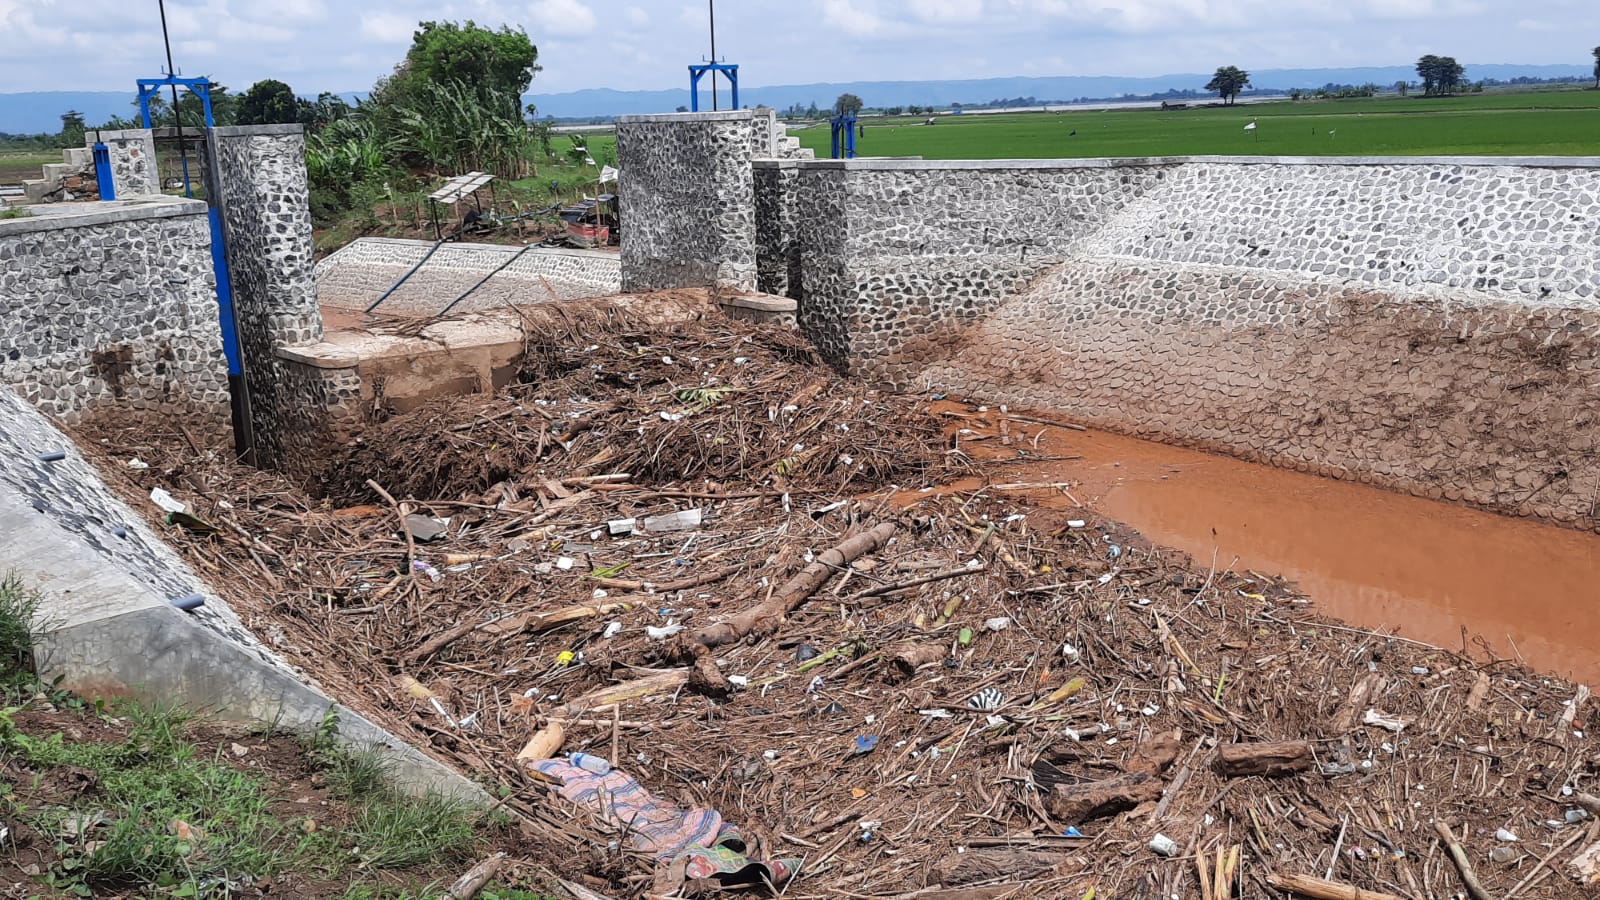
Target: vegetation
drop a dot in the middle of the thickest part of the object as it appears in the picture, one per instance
(1228, 82)
(1597, 68)
(1440, 75)
(269, 102)
(847, 105)
(133, 804)
(1550, 122)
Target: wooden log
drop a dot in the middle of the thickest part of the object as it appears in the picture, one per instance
(1077, 803)
(544, 744)
(1307, 886)
(606, 697)
(995, 862)
(472, 883)
(763, 618)
(1458, 855)
(909, 657)
(1157, 754)
(1273, 759)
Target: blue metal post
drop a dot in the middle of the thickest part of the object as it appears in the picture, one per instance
(102, 172)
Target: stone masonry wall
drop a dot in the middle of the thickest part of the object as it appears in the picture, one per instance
(777, 250)
(1430, 325)
(132, 154)
(361, 271)
(896, 255)
(116, 306)
(257, 178)
(689, 201)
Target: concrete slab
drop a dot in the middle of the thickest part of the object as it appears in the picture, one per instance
(107, 625)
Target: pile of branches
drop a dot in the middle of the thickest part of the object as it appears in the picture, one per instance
(982, 692)
(710, 401)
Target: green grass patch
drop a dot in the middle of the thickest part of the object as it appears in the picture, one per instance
(1544, 123)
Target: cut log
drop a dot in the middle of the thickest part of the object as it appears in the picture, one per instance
(1306, 886)
(1361, 695)
(604, 698)
(543, 745)
(763, 618)
(1157, 754)
(1077, 803)
(472, 883)
(1270, 759)
(992, 863)
(908, 658)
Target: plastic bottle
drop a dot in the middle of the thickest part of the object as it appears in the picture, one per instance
(590, 763)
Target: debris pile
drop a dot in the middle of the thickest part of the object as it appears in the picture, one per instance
(692, 562)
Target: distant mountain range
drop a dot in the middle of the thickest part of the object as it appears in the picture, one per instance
(27, 113)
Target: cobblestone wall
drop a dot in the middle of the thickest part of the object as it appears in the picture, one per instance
(1429, 325)
(360, 272)
(689, 201)
(896, 255)
(777, 250)
(114, 306)
(258, 179)
(132, 155)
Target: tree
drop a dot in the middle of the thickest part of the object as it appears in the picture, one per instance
(1228, 82)
(502, 63)
(324, 111)
(1440, 74)
(269, 102)
(847, 105)
(1597, 68)
(1402, 87)
(682, 109)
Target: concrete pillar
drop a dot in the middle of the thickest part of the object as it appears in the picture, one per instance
(133, 161)
(688, 201)
(257, 181)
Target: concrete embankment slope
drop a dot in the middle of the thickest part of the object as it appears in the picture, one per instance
(1429, 325)
(107, 625)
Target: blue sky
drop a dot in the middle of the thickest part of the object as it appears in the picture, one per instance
(320, 45)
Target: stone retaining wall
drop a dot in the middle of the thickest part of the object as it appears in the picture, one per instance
(688, 201)
(1431, 325)
(361, 271)
(132, 155)
(115, 304)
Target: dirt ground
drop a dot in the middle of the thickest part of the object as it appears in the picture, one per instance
(915, 692)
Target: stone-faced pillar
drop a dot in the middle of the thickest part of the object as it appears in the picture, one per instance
(132, 153)
(257, 182)
(688, 201)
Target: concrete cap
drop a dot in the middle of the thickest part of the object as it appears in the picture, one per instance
(253, 130)
(908, 165)
(58, 217)
(726, 115)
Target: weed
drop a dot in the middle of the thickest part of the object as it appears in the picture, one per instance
(13, 213)
(17, 608)
(392, 831)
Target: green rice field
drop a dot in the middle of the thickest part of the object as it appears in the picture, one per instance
(1538, 123)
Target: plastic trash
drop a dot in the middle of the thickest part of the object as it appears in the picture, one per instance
(739, 681)
(1071, 832)
(137, 463)
(590, 763)
(1506, 835)
(1502, 854)
(612, 630)
(865, 743)
(685, 520)
(986, 700)
(166, 501)
(964, 636)
(426, 528)
(52, 456)
(567, 658)
(998, 623)
(805, 652)
(1161, 845)
(662, 633)
(621, 526)
(189, 602)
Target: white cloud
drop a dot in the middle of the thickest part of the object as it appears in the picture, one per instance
(947, 11)
(388, 28)
(637, 17)
(561, 17)
(856, 18)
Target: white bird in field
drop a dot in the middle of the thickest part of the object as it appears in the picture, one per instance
(1250, 127)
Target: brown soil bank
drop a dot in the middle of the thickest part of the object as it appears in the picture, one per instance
(995, 698)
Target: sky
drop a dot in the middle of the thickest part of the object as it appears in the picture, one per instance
(344, 45)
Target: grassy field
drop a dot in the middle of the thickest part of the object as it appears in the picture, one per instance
(17, 165)
(1565, 123)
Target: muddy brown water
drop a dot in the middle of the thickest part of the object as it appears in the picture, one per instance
(1375, 559)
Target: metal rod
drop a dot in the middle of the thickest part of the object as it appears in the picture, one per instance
(177, 119)
(484, 280)
(396, 286)
(712, 4)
